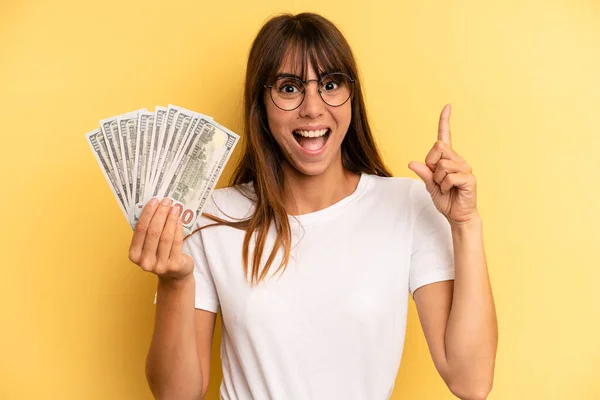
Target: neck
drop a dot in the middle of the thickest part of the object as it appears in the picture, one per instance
(309, 193)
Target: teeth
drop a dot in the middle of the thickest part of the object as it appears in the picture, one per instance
(318, 133)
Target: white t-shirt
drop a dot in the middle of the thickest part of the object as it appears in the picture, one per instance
(332, 326)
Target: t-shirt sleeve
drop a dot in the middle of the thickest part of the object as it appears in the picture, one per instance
(206, 297)
(432, 252)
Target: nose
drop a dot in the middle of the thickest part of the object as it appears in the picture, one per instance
(313, 105)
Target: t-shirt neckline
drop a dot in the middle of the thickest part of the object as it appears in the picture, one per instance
(327, 212)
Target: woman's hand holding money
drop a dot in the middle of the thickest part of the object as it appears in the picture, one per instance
(157, 242)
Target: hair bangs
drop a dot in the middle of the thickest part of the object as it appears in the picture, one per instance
(306, 46)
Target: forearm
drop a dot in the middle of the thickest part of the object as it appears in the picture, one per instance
(173, 366)
(472, 332)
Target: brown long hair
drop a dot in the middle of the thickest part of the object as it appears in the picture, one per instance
(313, 39)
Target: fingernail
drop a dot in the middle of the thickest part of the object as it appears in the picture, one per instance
(166, 201)
(174, 209)
(153, 202)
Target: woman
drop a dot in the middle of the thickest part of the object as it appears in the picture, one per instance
(316, 247)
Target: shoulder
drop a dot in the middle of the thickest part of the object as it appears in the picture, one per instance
(230, 203)
(393, 184)
(410, 192)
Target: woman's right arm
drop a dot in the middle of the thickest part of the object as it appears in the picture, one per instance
(173, 366)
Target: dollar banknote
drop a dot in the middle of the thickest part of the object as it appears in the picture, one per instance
(127, 125)
(117, 151)
(196, 125)
(162, 144)
(172, 152)
(110, 133)
(144, 126)
(198, 170)
(96, 141)
(173, 139)
(159, 116)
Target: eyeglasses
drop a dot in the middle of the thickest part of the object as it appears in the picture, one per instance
(288, 91)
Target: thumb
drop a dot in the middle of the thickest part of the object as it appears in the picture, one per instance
(422, 171)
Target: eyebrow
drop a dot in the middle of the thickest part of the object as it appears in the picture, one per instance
(289, 75)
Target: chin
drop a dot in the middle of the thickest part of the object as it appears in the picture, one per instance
(311, 169)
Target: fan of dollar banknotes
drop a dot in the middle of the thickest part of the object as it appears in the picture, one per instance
(171, 152)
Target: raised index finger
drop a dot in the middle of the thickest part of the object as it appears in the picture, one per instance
(444, 126)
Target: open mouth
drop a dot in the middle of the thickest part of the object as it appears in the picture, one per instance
(312, 140)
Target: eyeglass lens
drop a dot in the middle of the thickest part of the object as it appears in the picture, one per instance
(288, 92)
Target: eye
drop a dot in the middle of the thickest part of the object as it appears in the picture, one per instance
(289, 86)
(329, 85)
(289, 89)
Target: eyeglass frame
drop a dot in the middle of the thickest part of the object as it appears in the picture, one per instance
(270, 87)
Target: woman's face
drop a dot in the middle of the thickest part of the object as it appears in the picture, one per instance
(311, 135)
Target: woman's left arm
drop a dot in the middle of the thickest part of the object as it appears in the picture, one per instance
(458, 317)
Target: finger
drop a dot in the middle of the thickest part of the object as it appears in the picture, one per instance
(423, 172)
(155, 229)
(459, 180)
(445, 167)
(439, 151)
(176, 250)
(166, 238)
(139, 233)
(444, 126)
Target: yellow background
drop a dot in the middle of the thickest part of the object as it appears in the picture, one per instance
(524, 81)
